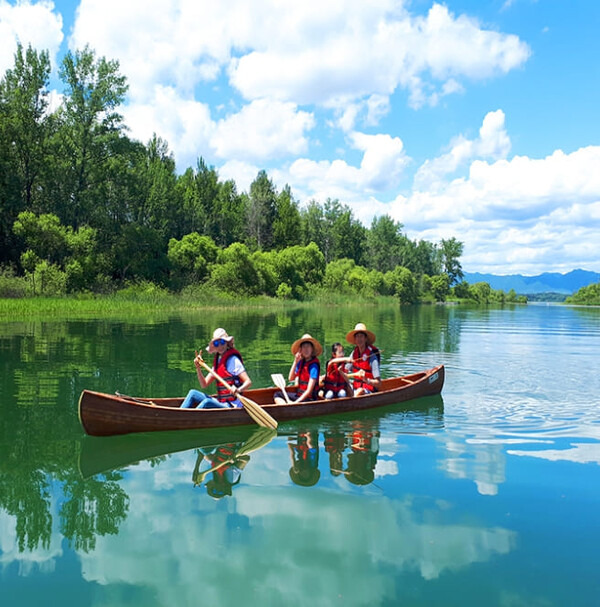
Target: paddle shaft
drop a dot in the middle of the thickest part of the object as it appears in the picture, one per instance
(258, 414)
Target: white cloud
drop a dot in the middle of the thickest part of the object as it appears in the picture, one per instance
(30, 24)
(520, 214)
(493, 142)
(263, 129)
(382, 164)
(346, 56)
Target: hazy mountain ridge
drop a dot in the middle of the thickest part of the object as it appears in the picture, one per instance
(548, 282)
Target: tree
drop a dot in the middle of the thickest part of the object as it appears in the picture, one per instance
(192, 256)
(261, 211)
(287, 225)
(159, 206)
(440, 286)
(25, 129)
(450, 252)
(384, 241)
(90, 128)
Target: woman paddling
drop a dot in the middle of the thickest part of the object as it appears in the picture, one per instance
(305, 370)
(228, 364)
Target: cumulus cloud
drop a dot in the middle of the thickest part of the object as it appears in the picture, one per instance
(30, 24)
(347, 57)
(493, 142)
(520, 212)
(263, 129)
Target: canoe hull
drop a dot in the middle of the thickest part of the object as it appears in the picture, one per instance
(105, 415)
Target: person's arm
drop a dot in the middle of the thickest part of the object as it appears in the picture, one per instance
(236, 367)
(204, 381)
(375, 381)
(292, 374)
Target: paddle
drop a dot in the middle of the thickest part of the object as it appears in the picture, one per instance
(142, 401)
(261, 437)
(279, 381)
(256, 412)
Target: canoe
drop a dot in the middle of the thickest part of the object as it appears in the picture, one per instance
(107, 414)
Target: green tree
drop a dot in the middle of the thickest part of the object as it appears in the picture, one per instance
(25, 128)
(261, 211)
(403, 284)
(192, 257)
(235, 271)
(450, 252)
(89, 131)
(384, 243)
(287, 230)
(440, 286)
(159, 206)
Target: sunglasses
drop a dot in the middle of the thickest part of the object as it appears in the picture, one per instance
(219, 342)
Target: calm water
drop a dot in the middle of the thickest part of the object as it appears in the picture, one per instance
(487, 495)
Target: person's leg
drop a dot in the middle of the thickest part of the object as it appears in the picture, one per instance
(192, 399)
(212, 403)
(341, 393)
(329, 394)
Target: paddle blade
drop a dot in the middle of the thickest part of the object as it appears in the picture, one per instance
(257, 413)
(260, 438)
(279, 381)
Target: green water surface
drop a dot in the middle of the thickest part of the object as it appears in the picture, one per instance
(486, 495)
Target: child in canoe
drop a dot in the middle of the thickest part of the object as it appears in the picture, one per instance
(335, 381)
(305, 371)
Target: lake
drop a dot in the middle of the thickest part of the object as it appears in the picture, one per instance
(486, 495)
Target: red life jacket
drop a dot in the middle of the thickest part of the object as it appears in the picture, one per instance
(303, 375)
(333, 380)
(222, 454)
(220, 367)
(363, 362)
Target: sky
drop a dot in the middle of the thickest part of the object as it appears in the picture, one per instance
(473, 119)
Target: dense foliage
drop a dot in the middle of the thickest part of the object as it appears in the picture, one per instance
(84, 208)
(589, 295)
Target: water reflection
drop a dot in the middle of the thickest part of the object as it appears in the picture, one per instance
(227, 462)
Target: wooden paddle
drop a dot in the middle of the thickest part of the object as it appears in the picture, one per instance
(279, 381)
(256, 412)
(260, 438)
(142, 401)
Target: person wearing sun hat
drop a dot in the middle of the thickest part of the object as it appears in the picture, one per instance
(364, 360)
(228, 364)
(305, 370)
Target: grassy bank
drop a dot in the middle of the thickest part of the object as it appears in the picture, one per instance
(124, 304)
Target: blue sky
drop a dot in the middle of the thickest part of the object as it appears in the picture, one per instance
(474, 119)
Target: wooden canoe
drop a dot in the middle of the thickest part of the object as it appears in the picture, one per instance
(106, 414)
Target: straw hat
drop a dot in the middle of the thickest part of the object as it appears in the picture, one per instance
(306, 337)
(360, 328)
(218, 334)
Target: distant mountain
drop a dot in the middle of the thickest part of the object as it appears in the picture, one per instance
(549, 282)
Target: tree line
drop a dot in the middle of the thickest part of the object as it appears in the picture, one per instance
(84, 207)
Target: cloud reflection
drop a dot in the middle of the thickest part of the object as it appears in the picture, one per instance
(282, 541)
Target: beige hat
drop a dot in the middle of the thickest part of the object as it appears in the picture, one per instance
(360, 328)
(218, 334)
(306, 337)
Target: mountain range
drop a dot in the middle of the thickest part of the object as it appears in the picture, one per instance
(549, 282)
